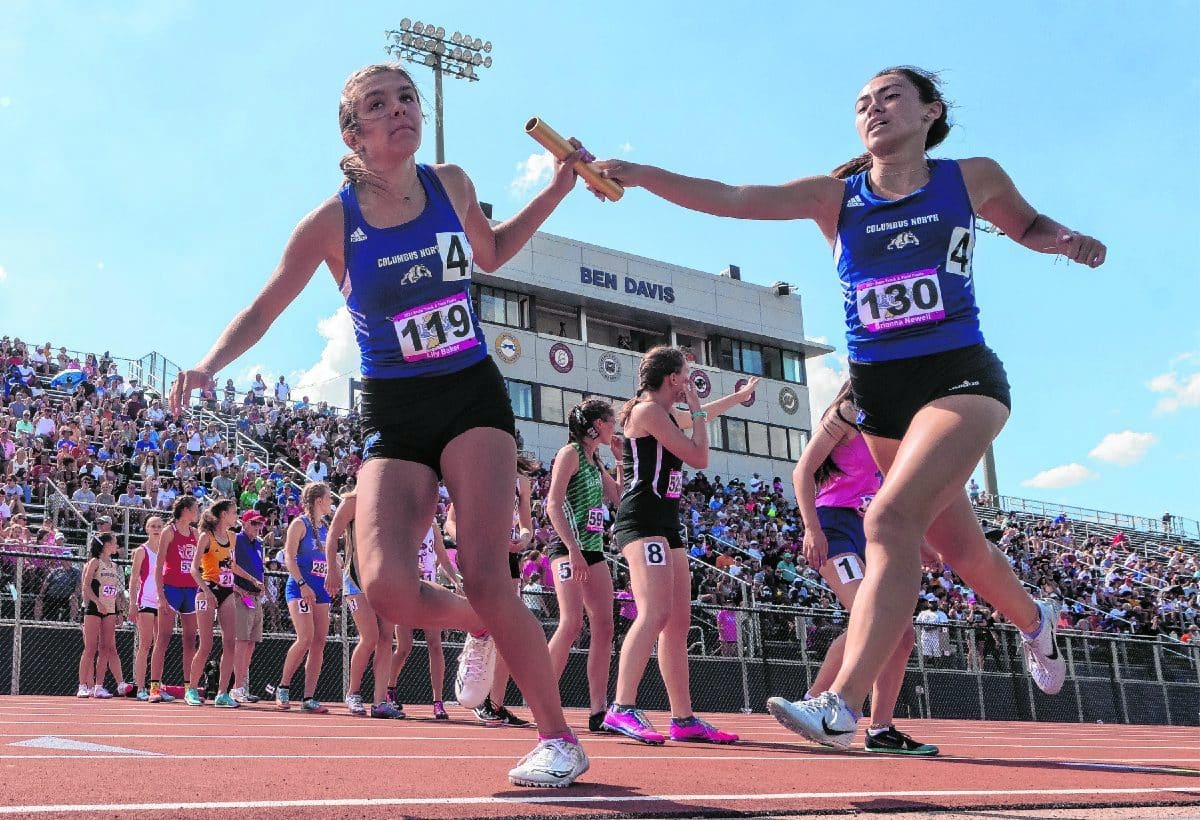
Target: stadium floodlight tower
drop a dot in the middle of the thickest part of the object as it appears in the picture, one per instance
(461, 56)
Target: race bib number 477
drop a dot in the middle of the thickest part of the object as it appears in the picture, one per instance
(901, 300)
(436, 329)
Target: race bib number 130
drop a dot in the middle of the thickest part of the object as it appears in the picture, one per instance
(436, 329)
(901, 300)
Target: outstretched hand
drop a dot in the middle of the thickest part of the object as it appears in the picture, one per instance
(1081, 248)
(186, 382)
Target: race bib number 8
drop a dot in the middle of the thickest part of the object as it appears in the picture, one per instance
(436, 330)
(900, 301)
(656, 554)
(675, 484)
(352, 603)
(595, 519)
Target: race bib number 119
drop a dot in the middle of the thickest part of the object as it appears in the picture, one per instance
(436, 329)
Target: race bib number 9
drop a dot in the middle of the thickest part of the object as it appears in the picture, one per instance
(320, 568)
(302, 605)
(225, 578)
(675, 484)
(595, 519)
(436, 330)
(108, 591)
(900, 301)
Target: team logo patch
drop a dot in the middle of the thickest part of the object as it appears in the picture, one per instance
(738, 386)
(903, 240)
(610, 366)
(415, 274)
(561, 357)
(508, 348)
(703, 383)
(789, 402)
(358, 235)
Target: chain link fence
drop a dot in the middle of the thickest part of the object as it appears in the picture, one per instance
(738, 657)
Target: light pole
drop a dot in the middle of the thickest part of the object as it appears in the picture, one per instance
(461, 56)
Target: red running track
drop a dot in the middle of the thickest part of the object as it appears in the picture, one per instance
(174, 760)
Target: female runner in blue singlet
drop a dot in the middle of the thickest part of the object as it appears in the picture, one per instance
(932, 395)
(401, 241)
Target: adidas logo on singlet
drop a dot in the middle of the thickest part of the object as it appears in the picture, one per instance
(855, 202)
(358, 235)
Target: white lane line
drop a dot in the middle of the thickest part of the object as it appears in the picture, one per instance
(581, 799)
(66, 744)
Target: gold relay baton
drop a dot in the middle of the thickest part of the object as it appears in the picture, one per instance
(553, 142)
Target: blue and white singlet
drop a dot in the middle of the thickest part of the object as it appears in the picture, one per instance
(905, 268)
(408, 289)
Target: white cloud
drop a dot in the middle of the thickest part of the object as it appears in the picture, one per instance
(1124, 448)
(5, 102)
(826, 376)
(3, 275)
(534, 171)
(245, 378)
(328, 379)
(1180, 385)
(627, 147)
(1066, 475)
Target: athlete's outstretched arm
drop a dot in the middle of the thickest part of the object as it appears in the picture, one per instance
(807, 198)
(307, 248)
(995, 198)
(492, 246)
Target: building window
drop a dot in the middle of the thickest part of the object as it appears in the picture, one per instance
(610, 333)
(555, 403)
(779, 442)
(797, 441)
(520, 395)
(556, 319)
(735, 435)
(716, 438)
(501, 307)
(756, 438)
(760, 360)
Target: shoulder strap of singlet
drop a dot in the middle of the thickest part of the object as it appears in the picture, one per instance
(431, 180)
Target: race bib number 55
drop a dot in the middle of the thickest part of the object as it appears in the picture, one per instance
(436, 329)
(901, 300)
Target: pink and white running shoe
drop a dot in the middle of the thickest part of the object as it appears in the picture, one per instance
(633, 723)
(695, 730)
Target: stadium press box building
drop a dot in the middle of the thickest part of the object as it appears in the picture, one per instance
(566, 320)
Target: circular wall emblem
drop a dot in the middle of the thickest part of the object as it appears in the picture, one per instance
(610, 366)
(508, 348)
(561, 357)
(738, 386)
(702, 382)
(789, 401)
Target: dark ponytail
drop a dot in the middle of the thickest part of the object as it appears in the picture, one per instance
(929, 90)
(100, 542)
(828, 468)
(581, 421)
(212, 516)
(658, 363)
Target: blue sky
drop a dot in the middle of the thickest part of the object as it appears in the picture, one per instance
(157, 154)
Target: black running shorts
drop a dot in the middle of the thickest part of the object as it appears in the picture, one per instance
(413, 419)
(889, 394)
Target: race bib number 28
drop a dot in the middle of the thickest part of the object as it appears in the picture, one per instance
(900, 301)
(436, 329)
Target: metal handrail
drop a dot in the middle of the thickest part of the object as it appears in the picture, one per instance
(1180, 526)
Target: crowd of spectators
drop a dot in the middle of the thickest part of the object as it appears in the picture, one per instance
(110, 453)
